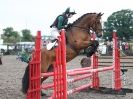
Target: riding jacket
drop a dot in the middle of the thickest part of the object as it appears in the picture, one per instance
(60, 22)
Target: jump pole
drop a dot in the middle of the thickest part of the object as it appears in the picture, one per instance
(94, 65)
(34, 91)
(60, 74)
(116, 63)
(117, 80)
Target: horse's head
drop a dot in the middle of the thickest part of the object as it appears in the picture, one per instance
(95, 24)
(89, 21)
(80, 31)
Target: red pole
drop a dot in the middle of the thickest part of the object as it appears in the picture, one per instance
(116, 63)
(95, 78)
(78, 89)
(68, 71)
(64, 64)
(35, 71)
(60, 75)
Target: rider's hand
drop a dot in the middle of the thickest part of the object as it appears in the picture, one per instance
(65, 26)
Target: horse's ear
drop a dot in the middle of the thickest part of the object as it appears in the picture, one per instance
(100, 14)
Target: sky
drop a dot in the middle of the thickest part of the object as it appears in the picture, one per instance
(39, 14)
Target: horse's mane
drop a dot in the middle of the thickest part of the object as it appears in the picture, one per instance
(80, 18)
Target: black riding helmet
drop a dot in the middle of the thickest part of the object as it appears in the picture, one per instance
(69, 11)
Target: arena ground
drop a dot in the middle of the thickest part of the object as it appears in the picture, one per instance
(12, 70)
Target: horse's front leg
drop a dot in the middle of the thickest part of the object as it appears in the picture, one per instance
(92, 48)
(89, 46)
(83, 44)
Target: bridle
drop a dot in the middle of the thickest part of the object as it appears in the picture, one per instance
(87, 29)
(92, 27)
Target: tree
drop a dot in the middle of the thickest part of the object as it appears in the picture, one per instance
(26, 35)
(10, 36)
(122, 21)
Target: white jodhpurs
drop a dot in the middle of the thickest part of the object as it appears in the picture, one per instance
(55, 33)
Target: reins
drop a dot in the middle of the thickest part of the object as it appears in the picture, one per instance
(87, 29)
(83, 28)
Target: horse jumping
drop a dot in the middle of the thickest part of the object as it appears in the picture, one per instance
(77, 38)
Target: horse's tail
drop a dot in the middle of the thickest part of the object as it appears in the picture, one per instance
(25, 80)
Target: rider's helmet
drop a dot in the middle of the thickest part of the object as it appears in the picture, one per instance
(70, 11)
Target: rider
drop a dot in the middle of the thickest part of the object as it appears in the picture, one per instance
(60, 22)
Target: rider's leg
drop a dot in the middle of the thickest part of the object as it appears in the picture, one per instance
(54, 34)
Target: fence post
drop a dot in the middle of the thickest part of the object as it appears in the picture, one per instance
(94, 64)
(116, 63)
(34, 91)
(60, 72)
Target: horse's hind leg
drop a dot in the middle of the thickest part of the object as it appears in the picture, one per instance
(42, 79)
(50, 69)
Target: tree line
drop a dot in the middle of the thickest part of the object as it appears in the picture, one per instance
(11, 36)
(121, 21)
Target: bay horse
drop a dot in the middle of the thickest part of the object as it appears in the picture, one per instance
(78, 37)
